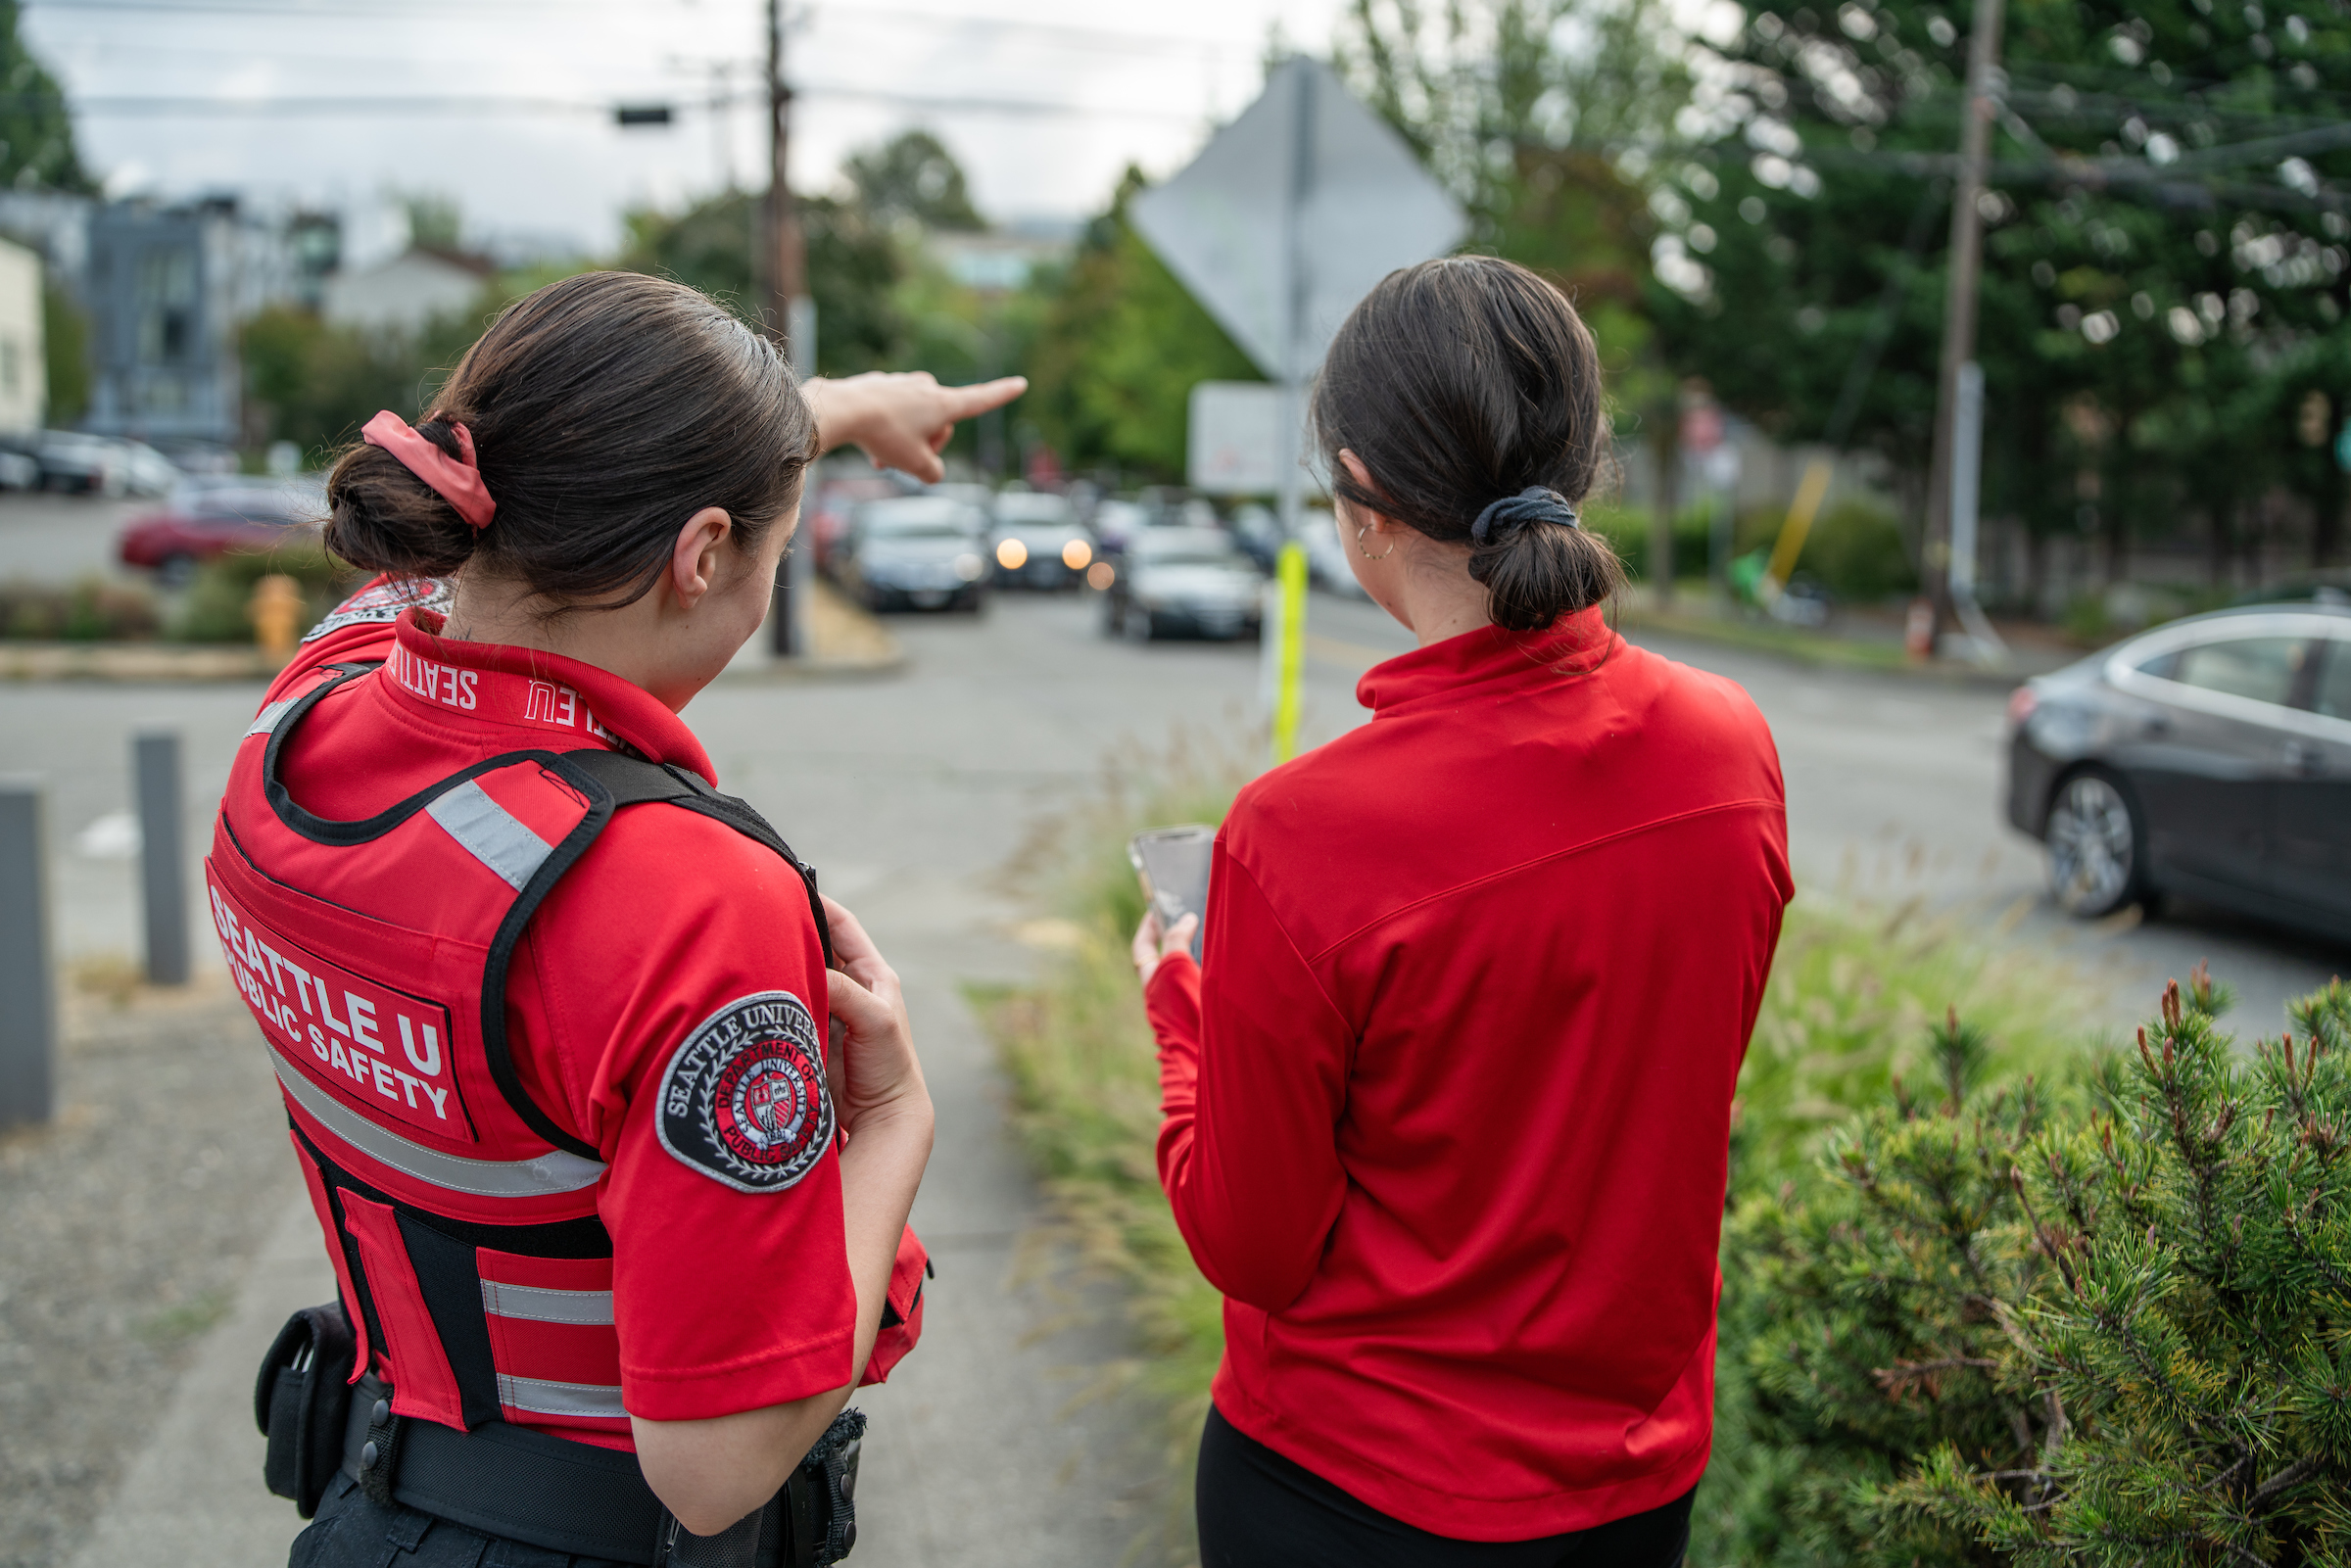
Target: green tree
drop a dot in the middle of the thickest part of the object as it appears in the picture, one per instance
(1118, 349)
(2163, 271)
(36, 133)
(66, 351)
(912, 177)
(854, 266)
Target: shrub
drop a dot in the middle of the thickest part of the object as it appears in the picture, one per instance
(91, 610)
(214, 611)
(2190, 1334)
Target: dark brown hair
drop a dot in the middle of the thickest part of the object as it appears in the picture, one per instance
(605, 409)
(1461, 381)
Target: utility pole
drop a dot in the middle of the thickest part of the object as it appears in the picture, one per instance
(1959, 307)
(791, 313)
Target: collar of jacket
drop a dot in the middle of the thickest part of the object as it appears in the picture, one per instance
(545, 695)
(1487, 663)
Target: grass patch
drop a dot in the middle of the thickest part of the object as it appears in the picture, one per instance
(1852, 994)
(175, 1325)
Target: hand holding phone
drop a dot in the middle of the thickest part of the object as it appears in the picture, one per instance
(1173, 863)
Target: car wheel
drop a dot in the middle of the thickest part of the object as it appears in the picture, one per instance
(2093, 837)
(176, 571)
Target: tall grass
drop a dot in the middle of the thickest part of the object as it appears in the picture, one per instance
(1845, 1013)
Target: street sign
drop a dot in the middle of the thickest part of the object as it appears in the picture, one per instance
(1233, 438)
(1291, 213)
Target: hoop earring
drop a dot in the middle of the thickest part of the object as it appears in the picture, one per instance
(1366, 554)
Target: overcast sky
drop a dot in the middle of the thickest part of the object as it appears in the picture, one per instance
(532, 150)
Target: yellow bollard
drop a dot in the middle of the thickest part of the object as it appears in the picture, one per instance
(276, 610)
(1290, 571)
(1792, 531)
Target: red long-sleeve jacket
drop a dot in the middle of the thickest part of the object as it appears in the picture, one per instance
(1447, 1106)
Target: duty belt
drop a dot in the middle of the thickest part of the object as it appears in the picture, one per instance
(511, 1481)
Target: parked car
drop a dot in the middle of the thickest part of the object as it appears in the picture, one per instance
(1039, 543)
(20, 467)
(825, 517)
(75, 460)
(2210, 756)
(1184, 580)
(208, 519)
(146, 471)
(920, 551)
(1117, 521)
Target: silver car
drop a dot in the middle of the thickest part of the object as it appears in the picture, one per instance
(1173, 580)
(915, 552)
(2210, 757)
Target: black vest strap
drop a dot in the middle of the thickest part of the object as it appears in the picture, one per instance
(634, 781)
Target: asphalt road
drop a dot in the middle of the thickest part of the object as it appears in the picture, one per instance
(61, 538)
(912, 792)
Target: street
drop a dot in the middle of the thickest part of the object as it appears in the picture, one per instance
(911, 794)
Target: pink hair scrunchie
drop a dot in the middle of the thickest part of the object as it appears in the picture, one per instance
(457, 480)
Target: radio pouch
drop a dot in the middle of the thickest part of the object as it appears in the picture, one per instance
(300, 1401)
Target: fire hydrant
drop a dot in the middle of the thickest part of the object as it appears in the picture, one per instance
(276, 610)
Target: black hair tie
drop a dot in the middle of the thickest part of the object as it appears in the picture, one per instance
(1533, 504)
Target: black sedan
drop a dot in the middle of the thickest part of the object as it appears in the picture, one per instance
(2209, 758)
(915, 552)
(1171, 580)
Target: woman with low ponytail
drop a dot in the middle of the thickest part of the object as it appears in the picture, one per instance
(1447, 1100)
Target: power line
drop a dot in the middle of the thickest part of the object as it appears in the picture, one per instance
(208, 105)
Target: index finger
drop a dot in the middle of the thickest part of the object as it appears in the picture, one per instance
(965, 401)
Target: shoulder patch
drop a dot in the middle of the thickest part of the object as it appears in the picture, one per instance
(743, 1101)
(383, 603)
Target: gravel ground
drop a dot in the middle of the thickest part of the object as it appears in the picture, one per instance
(127, 1225)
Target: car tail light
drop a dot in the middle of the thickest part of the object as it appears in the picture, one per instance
(2020, 703)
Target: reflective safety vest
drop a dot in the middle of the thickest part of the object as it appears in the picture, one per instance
(461, 1216)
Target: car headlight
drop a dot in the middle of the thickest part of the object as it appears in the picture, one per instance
(1076, 553)
(1012, 554)
(969, 567)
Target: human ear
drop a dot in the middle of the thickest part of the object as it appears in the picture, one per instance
(1353, 515)
(694, 562)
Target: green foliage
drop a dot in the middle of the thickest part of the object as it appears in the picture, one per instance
(215, 609)
(1120, 345)
(911, 178)
(436, 222)
(2162, 297)
(314, 384)
(90, 610)
(854, 266)
(37, 132)
(2188, 1330)
(65, 350)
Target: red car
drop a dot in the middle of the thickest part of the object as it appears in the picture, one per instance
(207, 521)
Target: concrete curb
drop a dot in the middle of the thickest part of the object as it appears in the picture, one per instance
(130, 661)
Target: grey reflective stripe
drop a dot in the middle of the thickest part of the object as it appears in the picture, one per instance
(266, 720)
(556, 1171)
(542, 1397)
(490, 833)
(541, 1304)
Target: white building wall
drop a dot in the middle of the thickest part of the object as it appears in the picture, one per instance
(23, 367)
(402, 294)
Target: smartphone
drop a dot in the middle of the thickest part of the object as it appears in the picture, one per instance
(1172, 863)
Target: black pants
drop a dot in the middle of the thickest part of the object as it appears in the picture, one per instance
(1260, 1510)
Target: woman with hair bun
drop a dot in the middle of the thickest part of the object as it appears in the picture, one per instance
(611, 1122)
(1447, 1101)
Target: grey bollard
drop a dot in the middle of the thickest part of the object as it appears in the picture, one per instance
(27, 981)
(163, 870)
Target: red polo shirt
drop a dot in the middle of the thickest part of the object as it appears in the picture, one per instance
(1448, 1104)
(723, 1299)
